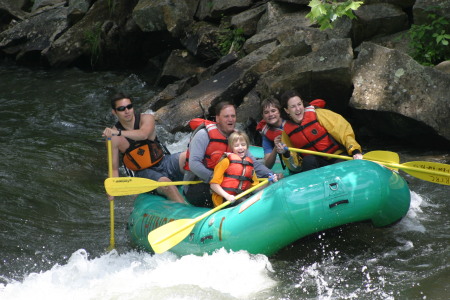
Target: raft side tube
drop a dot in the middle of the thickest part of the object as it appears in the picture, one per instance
(283, 212)
(351, 191)
(395, 199)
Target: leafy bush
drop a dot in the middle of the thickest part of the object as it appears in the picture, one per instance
(230, 40)
(429, 43)
(325, 12)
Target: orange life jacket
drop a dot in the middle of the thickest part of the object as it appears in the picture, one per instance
(310, 135)
(238, 176)
(141, 154)
(217, 142)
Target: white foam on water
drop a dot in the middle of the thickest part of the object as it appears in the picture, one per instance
(136, 275)
(412, 220)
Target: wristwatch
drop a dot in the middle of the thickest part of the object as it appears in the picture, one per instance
(120, 132)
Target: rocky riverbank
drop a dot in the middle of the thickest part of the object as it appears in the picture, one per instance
(361, 67)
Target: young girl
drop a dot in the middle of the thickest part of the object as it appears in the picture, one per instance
(234, 173)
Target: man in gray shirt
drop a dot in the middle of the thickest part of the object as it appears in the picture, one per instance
(203, 143)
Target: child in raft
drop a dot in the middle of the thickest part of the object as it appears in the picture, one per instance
(234, 173)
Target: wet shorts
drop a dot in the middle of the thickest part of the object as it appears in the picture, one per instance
(168, 167)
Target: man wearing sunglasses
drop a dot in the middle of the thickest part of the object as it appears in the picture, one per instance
(134, 135)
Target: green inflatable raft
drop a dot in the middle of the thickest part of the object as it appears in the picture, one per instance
(284, 212)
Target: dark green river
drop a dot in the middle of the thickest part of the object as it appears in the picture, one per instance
(54, 225)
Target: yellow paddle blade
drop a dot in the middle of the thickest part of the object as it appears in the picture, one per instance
(121, 186)
(176, 236)
(383, 156)
(429, 171)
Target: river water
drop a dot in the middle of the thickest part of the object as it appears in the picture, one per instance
(54, 226)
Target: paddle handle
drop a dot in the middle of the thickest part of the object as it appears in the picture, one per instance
(318, 153)
(194, 221)
(166, 183)
(111, 202)
(110, 166)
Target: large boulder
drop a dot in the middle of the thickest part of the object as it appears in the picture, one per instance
(201, 40)
(325, 73)
(102, 34)
(400, 3)
(179, 65)
(248, 20)
(77, 10)
(303, 2)
(398, 97)
(231, 84)
(215, 9)
(164, 15)
(276, 26)
(39, 4)
(28, 38)
(11, 11)
(378, 20)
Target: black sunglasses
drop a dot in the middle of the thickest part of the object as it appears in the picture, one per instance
(122, 108)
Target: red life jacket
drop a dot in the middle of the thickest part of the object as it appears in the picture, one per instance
(238, 176)
(318, 103)
(269, 132)
(217, 142)
(310, 135)
(195, 123)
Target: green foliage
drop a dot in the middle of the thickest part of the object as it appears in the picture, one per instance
(429, 42)
(94, 39)
(230, 40)
(325, 12)
(111, 6)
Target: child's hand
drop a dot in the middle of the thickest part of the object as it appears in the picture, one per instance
(281, 147)
(230, 198)
(277, 139)
(273, 177)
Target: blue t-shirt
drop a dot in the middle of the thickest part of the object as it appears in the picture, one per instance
(267, 145)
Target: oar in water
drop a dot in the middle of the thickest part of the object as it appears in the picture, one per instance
(111, 202)
(425, 170)
(167, 236)
(121, 186)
